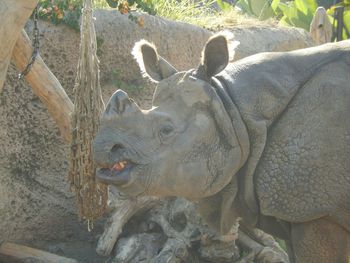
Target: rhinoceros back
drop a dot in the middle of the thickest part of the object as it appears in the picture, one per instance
(304, 171)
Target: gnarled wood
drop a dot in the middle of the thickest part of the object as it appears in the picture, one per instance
(45, 85)
(170, 230)
(124, 209)
(13, 16)
(10, 252)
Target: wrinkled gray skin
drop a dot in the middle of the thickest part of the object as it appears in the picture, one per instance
(265, 139)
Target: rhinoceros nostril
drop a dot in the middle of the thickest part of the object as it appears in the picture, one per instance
(116, 148)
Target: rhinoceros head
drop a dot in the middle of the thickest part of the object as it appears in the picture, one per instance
(185, 145)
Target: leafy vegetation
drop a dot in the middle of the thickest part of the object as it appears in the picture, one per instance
(69, 11)
(199, 12)
(61, 11)
(298, 13)
(260, 9)
(346, 17)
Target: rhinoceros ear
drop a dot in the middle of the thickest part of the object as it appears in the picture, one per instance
(151, 65)
(218, 51)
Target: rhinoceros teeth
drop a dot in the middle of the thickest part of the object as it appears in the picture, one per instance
(119, 166)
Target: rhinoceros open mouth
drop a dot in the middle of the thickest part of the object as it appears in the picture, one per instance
(119, 174)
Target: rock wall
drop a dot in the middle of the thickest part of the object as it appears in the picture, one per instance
(36, 206)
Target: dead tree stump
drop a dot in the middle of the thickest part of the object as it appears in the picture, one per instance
(148, 229)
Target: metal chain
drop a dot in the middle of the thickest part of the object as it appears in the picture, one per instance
(35, 44)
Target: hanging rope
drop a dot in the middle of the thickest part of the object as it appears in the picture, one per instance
(91, 197)
(35, 44)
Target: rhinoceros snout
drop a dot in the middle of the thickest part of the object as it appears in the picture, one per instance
(118, 103)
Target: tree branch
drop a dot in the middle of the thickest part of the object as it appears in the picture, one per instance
(13, 16)
(123, 211)
(45, 85)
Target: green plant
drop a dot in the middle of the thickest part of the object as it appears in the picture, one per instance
(61, 11)
(99, 42)
(298, 13)
(282, 244)
(101, 4)
(224, 6)
(69, 11)
(346, 17)
(260, 9)
(199, 12)
(125, 7)
(118, 82)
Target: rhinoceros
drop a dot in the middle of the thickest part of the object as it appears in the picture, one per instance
(265, 139)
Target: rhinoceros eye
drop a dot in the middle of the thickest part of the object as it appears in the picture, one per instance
(166, 131)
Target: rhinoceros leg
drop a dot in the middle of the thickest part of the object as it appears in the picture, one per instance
(320, 241)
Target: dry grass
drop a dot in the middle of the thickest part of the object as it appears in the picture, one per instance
(200, 13)
(233, 18)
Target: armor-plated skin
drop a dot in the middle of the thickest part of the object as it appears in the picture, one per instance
(265, 139)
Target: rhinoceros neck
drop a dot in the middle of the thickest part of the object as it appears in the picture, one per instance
(243, 199)
(232, 110)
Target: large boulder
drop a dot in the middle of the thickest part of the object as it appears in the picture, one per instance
(37, 207)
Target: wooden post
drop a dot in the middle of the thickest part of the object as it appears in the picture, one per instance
(13, 16)
(45, 85)
(13, 253)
